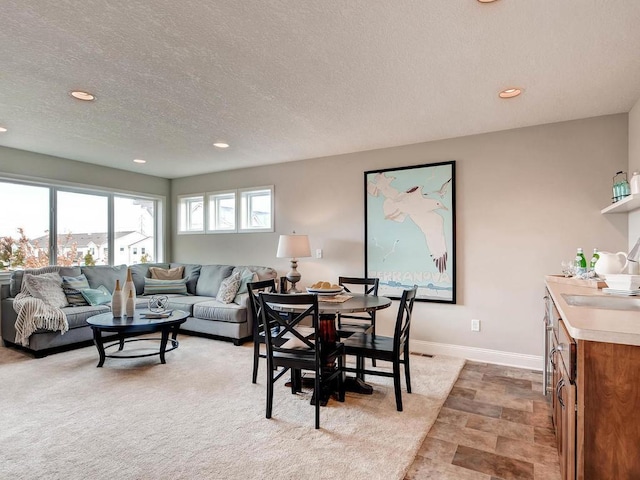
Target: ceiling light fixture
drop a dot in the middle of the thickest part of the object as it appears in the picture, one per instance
(221, 145)
(486, 1)
(139, 160)
(510, 92)
(2, 129)
(84, 96)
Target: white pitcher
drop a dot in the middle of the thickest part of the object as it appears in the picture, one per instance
(611, 263)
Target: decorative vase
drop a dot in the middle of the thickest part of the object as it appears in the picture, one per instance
(131, 303)
(117, 301)
(128, 289)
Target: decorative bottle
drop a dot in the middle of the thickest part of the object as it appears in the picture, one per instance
(129, 288)
(131, 304)
(117, 301)
(581, 263)
(594, 259)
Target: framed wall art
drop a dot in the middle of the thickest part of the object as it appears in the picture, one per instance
(410, 219)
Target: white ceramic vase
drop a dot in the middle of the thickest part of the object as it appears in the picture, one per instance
(117, 302)
(129, 290)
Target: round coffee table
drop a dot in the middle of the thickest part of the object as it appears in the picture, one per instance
(128, 326)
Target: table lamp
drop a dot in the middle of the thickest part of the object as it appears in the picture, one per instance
(293, 247)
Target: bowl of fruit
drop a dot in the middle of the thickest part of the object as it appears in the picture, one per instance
(324, 288)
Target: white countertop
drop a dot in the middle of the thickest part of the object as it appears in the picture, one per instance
(595, 324)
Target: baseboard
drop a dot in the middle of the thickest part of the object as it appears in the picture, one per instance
(530, 362)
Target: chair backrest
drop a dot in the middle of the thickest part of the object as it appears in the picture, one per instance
(290, 337)
(403, 321)
(254, 288)
(369, 285)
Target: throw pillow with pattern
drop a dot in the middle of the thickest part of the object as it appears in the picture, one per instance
(74, 296)
(229, 288)
(153, 286)
(47, 287)
(79, 283)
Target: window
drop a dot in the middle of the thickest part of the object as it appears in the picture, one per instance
(24, 226)
(80, 218)
(135, 251)
(191, 214)
(142, 251)
(222, 212)
(134, 221)
(256, 207)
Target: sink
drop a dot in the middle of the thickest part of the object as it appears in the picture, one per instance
(605, 302)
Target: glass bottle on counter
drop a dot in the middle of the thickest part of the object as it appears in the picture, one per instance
(581, 263)
(594, 259)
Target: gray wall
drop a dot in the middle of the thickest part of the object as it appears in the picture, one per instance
(634, 164)
(526, 198)
(35, 166)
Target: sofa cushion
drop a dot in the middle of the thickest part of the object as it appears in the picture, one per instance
(175, 273)
(15, 285)
(191, 273)
(140, 271)
(77, 316)
(74, 296)
(222, 312)
(229, 288)
(96, 296)
(153, 286)
(211, 277)
(181, 302)
(105, 275)
(47, 287)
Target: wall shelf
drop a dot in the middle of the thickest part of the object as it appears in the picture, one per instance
(627, 204)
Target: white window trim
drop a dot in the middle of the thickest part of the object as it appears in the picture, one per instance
(211, 228)
(205, 214)
(239, 210)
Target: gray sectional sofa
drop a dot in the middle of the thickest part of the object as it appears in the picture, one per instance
(208, 317)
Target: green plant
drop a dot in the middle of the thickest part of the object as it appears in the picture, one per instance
(89, 260)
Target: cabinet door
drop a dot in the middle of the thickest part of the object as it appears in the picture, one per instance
(565, 421)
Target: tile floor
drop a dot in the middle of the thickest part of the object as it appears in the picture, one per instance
(495, 425)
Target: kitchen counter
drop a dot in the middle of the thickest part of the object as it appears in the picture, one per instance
(590, 323)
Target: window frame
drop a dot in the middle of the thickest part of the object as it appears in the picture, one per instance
(209, 220)
(243, 210)
(190, 231)
(111, 194)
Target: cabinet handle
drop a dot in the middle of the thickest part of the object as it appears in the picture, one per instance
(559, 387)
(551, 354)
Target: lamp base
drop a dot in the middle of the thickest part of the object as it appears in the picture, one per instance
(294, 276)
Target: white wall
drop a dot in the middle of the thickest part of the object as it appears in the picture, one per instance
(526, 198)
(35, 166)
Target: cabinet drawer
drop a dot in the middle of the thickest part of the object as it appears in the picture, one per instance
(567, 349)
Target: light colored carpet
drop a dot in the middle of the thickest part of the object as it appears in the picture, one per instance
(200, 417)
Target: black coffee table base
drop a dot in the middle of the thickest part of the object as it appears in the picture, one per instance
(120, 344)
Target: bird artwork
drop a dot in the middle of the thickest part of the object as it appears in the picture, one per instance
(420, 209)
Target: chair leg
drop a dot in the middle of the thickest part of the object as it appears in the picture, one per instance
(396, 385)
(318, 393)
(269, 389)
(341, 362)
(360, 367)
(373, 332)
(407, 372)
(256, 357)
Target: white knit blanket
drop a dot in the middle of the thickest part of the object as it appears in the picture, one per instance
(34, 313)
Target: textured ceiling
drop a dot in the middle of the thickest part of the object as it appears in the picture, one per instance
(289, 80)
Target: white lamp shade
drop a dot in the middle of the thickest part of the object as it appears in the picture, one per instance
(293, 246)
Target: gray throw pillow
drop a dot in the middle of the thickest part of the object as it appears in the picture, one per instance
(47, 287)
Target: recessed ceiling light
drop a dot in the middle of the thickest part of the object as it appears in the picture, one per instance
(84, 96)
(139, 160)
(510, 92)
(486, 1)
(2, 129)
(221, 145)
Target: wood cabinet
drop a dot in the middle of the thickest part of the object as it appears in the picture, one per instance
(595, 388)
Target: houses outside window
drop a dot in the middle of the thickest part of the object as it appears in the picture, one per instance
(256, 207)
(222, 212)
(191, 214)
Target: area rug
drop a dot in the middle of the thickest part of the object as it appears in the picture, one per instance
(200, 417)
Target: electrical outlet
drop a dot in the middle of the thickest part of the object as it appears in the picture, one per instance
(319, 253)
(475, 325)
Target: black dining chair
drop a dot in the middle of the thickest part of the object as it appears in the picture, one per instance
(295, 347)
(364, 322)
(390, 349)
(254, 288)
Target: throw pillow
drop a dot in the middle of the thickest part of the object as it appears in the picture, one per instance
(74, 296)
(47, 287)
(96, 296)
(79, 283)
(229, 288)
(247, 276)
(167, 273)
(153, 286)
